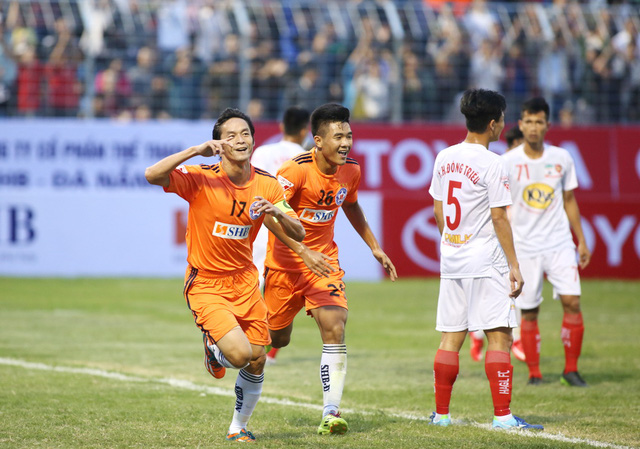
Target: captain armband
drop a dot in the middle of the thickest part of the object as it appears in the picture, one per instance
(283, 206)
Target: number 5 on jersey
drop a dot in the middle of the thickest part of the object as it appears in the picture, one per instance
(451, 199)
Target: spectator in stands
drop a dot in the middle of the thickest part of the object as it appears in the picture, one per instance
(160, 97)
(30, 77)
(553, 73)
(221, 79)
(185, 86)
(307, 90)
(114, 88)
(61, 74)
(141, 77)
(419, 91)
(486, 68)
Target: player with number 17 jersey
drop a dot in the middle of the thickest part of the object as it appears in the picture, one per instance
(316, 197)
(469, 180)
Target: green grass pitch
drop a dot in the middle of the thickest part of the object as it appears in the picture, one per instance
(117, 363)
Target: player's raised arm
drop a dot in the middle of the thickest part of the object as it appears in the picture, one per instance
(158, 173)
(356, 217)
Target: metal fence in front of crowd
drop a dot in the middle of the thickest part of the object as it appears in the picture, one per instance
(401, 61)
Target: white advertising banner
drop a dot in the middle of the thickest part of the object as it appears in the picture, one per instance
(74, 201)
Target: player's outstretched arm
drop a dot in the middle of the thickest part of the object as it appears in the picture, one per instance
(573, 214)
(317, 262)
(356, 217)
(505, 237)
(158, 173)
(291, 226)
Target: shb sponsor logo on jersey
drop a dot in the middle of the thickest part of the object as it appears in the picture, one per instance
(538, 195)
(340, 196)
(284, 182)
(317, 216)
(230, 231)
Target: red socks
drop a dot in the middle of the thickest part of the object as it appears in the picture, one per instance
(572, 333)
(530, 336)
(445, 371)
(500, 374)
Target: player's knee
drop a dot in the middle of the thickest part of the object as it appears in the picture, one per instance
(280, 340)
(239, 357)
(333, 334)
(571, 304)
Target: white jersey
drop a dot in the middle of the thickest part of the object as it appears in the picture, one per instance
(269, 158)
(538, 218)
(470, 180)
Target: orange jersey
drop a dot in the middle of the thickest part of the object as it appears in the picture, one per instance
(221, 227)
(316, 198)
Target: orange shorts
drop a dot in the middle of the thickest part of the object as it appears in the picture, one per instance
(221, 302)
(286, 293)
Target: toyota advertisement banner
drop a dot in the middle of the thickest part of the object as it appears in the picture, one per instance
(74, 201)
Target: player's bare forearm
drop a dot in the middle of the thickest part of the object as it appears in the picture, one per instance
(158, 173)
(573, 215)
(438, 213)
(358, 220)
(505, 237)
(290, 226)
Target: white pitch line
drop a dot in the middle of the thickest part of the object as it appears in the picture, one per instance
(190, 386)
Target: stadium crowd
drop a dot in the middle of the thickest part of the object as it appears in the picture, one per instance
(387, 61)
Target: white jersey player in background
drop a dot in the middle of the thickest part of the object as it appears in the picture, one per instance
(542, 181)
(294, 128)
(514, 138)
(479, 270)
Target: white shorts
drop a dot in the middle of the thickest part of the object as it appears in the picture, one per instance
(561, 268)
(475, 304)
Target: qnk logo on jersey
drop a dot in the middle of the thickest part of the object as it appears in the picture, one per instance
(284, 182)
(538, 195)
(317, 216)
(253, 214)
(230, 231)
(340, 196)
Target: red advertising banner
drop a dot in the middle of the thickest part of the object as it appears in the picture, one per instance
(397, 162)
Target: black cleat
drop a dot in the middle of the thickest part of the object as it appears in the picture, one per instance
(573, 379)
(534, 381)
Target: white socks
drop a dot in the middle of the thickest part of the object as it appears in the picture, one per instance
(248, 391)
(333, 370)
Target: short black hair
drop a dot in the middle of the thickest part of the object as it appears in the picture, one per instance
(512, 135)
(534, 106)
(480, 106)
(226, 115)
(326, 114)
(295, 120)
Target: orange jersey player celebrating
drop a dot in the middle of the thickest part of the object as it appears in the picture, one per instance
(308, 274)
(228, 203)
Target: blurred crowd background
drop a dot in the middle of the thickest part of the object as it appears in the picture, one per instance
(389, 61)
